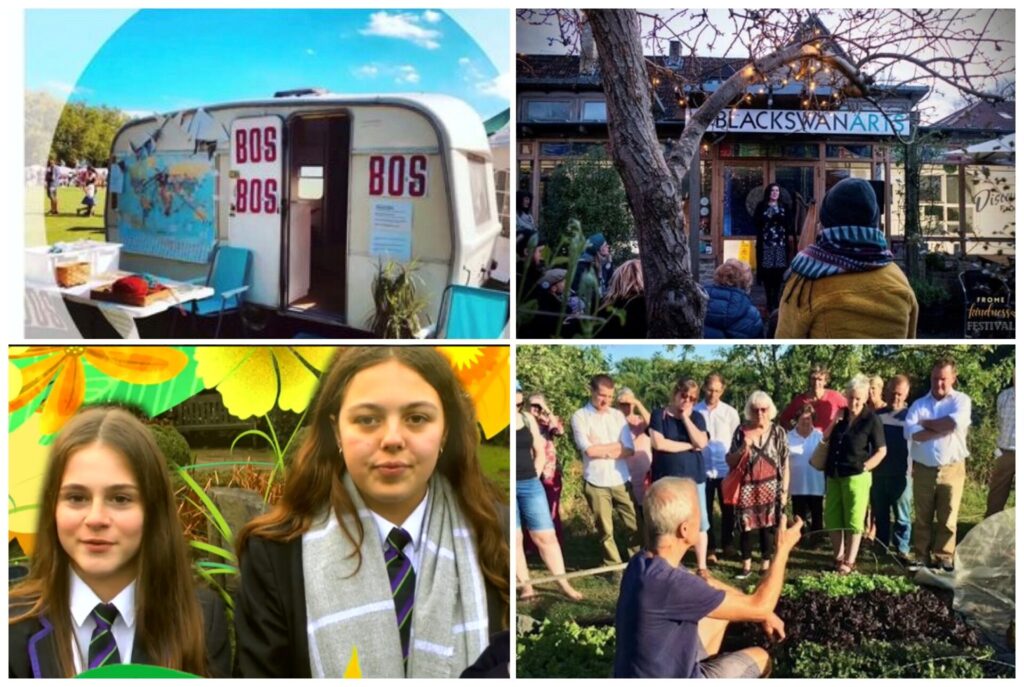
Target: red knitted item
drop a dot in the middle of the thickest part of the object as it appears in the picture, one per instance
(131, 285)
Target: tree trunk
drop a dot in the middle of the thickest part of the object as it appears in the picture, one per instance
(912, 240)
(675, 302)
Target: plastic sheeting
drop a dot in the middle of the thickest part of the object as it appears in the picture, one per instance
(983, 589)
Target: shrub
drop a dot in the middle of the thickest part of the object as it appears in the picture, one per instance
(875, 659)
(173, 445)
(566, 650)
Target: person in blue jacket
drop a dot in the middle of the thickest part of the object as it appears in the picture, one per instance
(731, 314)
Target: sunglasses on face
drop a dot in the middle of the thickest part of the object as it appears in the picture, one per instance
(760, 410)
(519, 406)
(536, 406)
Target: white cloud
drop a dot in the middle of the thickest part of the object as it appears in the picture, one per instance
(407, 74)
(403, 26)
(464, 61)
(310, 51)
(432, 17)
(498, 87)
(368, 71)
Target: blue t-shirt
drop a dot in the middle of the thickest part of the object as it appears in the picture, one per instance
(656, 619)
(681, 463)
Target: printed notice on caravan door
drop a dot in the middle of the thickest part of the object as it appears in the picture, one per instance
(391, 229)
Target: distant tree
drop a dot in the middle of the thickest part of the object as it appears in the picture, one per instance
(84, 133)
(42, 111)
(587, 188)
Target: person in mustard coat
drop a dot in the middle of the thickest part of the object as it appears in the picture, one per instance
(846, 284)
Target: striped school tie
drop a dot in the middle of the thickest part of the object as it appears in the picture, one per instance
(403, 583)
(102, 647)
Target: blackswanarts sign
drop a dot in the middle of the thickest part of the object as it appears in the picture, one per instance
(866, 123)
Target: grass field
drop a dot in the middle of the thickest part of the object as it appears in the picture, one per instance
(582, 551)
(67, 226)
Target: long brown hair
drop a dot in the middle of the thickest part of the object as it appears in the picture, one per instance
(315, 478)
(169, 621)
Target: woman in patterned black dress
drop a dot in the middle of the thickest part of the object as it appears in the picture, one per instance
(760, 450)
(776, 243)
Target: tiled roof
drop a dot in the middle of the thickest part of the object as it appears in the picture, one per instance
(981, 115)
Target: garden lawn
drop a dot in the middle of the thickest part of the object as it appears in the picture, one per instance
(67, 226)
(495, 461)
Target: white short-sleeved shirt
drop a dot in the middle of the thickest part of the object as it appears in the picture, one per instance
(591, 427)
(803, 479)
(945, 450)
(721, 422)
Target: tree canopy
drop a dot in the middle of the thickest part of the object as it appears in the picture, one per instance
(76, 133)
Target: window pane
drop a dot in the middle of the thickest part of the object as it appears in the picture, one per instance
(547, 111)
(311, 189)
(594, 111)
(931, 189)
(480, 189)
(952, 188)
(849, 151)
(743, 190)
(317, 172)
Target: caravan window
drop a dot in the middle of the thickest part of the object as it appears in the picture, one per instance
(479, 187)
(311, 183)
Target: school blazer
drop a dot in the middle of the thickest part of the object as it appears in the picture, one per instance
(32, 647)
(270, 610)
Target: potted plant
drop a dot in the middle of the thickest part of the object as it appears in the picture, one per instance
(397, 304)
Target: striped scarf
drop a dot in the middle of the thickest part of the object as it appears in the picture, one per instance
(839, 250)
(350, 613)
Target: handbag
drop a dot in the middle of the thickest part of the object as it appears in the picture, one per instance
(731, 482)
(819, 459)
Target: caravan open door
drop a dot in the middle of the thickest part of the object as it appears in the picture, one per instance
(318, 171)
(254, 219)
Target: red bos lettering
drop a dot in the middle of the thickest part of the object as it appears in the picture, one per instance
(376, 175)
(402, 178)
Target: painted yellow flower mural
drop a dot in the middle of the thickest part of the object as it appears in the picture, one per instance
(64, 366)
(251, 380)
(484, 372)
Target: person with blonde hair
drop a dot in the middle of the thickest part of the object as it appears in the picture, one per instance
(855, 441)
(730, 313)
(760, 450)
(626, 295)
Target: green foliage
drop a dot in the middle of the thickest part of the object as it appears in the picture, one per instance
(566, 650)
(85, 133)
(397, 305)
(927, 292)
(173, 445)
(588, 189)
(874, 659)
(836, 585)
(935, 262)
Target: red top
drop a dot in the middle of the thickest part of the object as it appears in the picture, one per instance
(825, 408)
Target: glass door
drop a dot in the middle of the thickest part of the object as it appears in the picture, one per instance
(742, 190)
(797, 195)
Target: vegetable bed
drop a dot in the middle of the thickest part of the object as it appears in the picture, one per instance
(836, 627)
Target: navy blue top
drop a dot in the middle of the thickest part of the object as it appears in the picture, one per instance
(656, 619)
(731, 314)
(681, 463)
(897, 451)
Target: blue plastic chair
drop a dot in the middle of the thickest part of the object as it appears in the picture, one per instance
(229, 276)
(471, 312)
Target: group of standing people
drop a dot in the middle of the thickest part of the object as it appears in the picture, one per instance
(844, 284)
(88, 181)
(855, 463)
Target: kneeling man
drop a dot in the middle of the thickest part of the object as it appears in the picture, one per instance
(669, 622)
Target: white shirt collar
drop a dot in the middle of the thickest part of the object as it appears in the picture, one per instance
(84, 600)
(413, 524)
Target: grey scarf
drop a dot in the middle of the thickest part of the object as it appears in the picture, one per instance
(351, 614)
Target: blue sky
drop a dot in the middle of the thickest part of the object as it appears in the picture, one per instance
(162, 60)
(618, 352)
